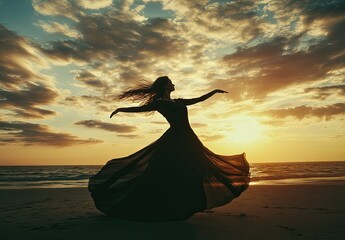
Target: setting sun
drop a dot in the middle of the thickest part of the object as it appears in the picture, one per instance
(245, 129)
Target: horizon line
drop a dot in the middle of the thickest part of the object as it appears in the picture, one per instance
(51, 165)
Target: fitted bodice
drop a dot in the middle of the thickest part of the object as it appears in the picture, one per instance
(176, 113)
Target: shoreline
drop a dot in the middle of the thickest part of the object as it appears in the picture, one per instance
(261, 212)
(340, 180)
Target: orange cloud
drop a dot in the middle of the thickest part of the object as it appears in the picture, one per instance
(301, 112)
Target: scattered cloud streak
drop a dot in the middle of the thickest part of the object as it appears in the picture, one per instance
(23, 86)
(324, 92)
(61, 28)
(90, 4)
(120, 128)
(37, 134)
(301, 112)
(210, 138)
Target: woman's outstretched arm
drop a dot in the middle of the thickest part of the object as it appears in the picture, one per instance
(191, 101)
(144, 108)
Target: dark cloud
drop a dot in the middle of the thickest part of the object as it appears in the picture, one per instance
(285, 61)
(116, 47)
(90, 80)
(24, 101)
(241, 16)
(120, 128)
(135, 47)
(237, 21)
(38, 134)
(275, 70)
(301, 112)
(70, 50)
(14, 49)
(23, 88)
(115, 35)
(326, 91)
(101, 103)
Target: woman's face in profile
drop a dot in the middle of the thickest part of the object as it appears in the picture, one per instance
(170, 86)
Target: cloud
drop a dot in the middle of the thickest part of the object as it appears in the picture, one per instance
(18, 59)
(273, 122)
(130, 136)
(300, 112)
(265, 68)
(88, 79)
(323, 92)
(69, 51)
(101, 103)
(23, 86)
(210, 138)
(199, 125)
(91, 4)
(24, 101)
(128, 47)
(62, 28)
(120, 128)
(69, 9)
(262, 49)
(159, 122)
(274, 64)
(235, 21)
(117, 37)
(116, 50)
(38, 134)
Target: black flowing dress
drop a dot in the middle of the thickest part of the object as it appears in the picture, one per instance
(170, 179)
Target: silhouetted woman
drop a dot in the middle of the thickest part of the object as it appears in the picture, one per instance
(173, 177)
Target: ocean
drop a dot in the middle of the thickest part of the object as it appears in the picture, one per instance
(22, 177)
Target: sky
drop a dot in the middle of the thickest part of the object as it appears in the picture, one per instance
(62, 64)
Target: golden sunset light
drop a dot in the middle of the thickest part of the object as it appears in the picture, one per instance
(246, 129)
(64, 62)
(172, 119)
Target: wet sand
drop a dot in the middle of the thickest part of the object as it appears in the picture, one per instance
(262, 212)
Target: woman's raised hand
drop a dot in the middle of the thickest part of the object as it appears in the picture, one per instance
(220, 91)
(113, 113)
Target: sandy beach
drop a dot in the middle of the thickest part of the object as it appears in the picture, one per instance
(262, 212)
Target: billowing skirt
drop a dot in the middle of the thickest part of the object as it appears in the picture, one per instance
(170, 179)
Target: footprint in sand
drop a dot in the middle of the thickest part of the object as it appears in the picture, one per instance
(291, 230)
(241, 215)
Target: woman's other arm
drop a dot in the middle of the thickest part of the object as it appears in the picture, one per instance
(145, 108)
(191, 101)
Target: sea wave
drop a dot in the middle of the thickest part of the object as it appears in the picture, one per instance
(19, 177)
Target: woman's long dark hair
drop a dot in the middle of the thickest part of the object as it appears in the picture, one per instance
(146, 92)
